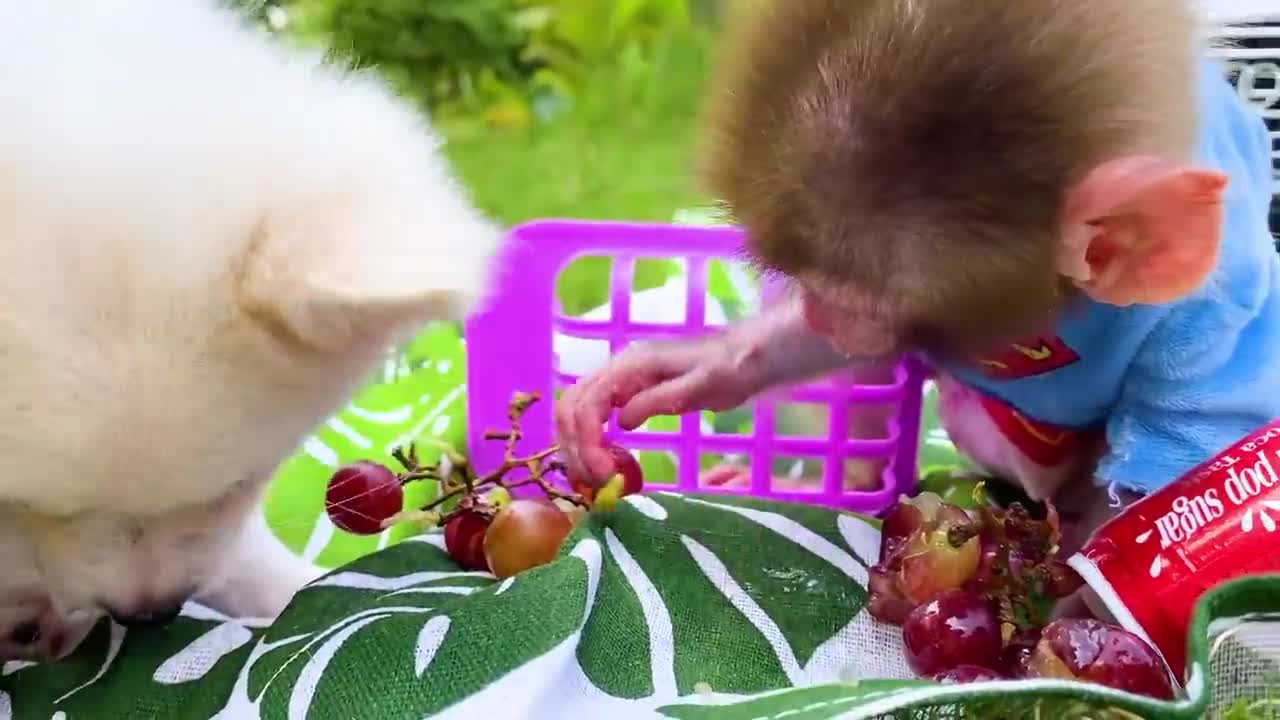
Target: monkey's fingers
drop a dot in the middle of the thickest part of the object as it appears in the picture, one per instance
(581, 416)
(590, 410)
(680, 395)
(728, 475)
(586, 406)
(565, 416)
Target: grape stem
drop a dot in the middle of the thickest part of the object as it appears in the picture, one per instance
(1012, 588)
(459, 479)
(961, 534)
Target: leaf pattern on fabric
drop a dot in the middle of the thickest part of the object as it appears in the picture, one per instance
(430, 638)
(418, 394)
(115, 642)
(198, 658)
(672, 606)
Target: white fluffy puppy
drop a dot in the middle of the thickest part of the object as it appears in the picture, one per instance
(207, 242)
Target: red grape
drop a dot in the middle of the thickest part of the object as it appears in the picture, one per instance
(966, 674)
(1017, 653)
(943, 572)
(362, 495)
(995, 556)
(624, 463)
(1034, 539)
(575, 512)
(1062, 580)
(931, 565)
(956, 628)
(916, 548)
(950, 516)
(1094, 651)
(884, 600)
(524, 534)
(988, 561)
(464, 539)
(901, 522)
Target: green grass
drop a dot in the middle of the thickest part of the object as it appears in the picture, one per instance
(623, 151)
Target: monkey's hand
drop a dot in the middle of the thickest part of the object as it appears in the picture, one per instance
(648, 380)
(714, 373)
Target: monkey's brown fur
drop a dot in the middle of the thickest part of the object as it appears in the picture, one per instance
(920, 150)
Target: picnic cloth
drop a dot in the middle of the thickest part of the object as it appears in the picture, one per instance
(673, 606)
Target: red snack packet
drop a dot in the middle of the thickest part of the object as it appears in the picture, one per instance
(1220, 521)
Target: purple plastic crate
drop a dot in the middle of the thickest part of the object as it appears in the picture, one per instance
(509, 349)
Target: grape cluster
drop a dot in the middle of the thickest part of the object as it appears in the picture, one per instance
(972, 591)
(485, 527)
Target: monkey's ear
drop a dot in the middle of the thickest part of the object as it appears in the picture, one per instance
(1142, 230)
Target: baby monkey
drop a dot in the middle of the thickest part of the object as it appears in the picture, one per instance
(1060, 204)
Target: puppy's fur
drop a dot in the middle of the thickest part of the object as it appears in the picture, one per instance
(208, 241)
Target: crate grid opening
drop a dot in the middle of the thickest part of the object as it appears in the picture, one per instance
(685, 447)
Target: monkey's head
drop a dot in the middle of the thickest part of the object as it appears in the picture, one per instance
(948, 175)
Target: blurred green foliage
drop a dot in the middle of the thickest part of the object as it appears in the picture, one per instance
(622, 151)
(551, 108)
(443, 53)
(257, 11)
(502, 63)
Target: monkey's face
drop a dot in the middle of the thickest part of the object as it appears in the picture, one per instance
(853, 322)
(918, 167)
(867, 325)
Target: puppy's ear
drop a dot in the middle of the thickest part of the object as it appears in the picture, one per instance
(343, 272)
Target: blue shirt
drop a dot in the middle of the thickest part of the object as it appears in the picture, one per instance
(1172, 385)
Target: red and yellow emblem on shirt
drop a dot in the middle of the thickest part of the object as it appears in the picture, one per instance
(1045, 444)
(1036, 356)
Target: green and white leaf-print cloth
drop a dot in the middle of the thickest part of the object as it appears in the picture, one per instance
(672, 606)
(418, 395)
